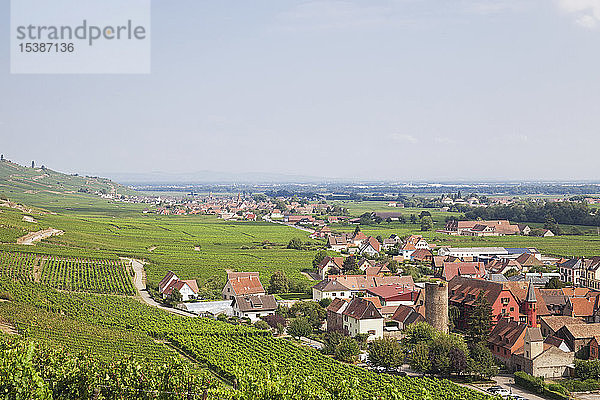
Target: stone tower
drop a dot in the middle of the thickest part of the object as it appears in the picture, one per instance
(533, 343)
(436, 305)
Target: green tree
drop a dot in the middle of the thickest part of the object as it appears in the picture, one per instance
(554, 283)
(424, 214)
(385, 353)
(480, 320)
(511, 272)
(332, 340)
(300, 327)
(393, 266)
(260, 324)
(426, 224)
(325, 302)
(419, 358)
(419, 332)
(445, 353)
(321, 254)
(349, 264)
(295, 244)
(347, 350)
(481, 362)
(279, 283)
(453, 316)
(176, 296)
(311, 310)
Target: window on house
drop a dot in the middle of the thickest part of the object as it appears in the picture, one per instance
(333, 294)
(512, 309)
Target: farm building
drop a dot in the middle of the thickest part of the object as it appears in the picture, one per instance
(187, 288)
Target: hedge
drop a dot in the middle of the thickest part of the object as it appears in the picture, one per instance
(537, 385)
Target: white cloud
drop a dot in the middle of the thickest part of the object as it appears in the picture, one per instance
(586, 12)
(404, 138)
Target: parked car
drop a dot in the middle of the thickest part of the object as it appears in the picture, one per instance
(494, 389)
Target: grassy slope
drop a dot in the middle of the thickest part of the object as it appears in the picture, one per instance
(32, 185)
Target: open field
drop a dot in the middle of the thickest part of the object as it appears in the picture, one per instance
(168, 242)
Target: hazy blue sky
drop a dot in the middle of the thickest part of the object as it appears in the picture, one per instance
(370, 89)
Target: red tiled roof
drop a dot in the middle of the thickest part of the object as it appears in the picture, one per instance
(506, 333)
(581, 306)
(474, 269)
(362, 309)
(245, 283)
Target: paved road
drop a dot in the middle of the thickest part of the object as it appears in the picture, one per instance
(291, 226)
(587, 396)
(507, 381)
(139, 281)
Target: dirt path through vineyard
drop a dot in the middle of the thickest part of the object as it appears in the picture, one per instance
(139, 281)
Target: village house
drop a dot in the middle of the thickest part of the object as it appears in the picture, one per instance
(339, 243)
(528, 260)
(578, 337)
(323, 232)
(335, 320)
(346, 286)
(514, 301)
(405, 316)
(466, 269)
(550, 324)
(572, 271)
(254, 306)
(502, 266)
(524, 229)
(330, 265)
(542, 358)
(580, 307)
(362, 317)
(591, 273)
(394, 295)
(187, 288)
(475, 253)
(370, 246)
(505, 339)
(422, 255)
(481, 228)
(392, 241)
(555, 300)
(241, 284)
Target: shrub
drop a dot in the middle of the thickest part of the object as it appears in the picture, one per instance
(260, 324)
(529, 382)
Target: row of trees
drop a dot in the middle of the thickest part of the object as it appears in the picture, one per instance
(437, 353)
(549, 213)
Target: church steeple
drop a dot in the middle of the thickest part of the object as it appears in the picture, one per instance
(529, 306)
